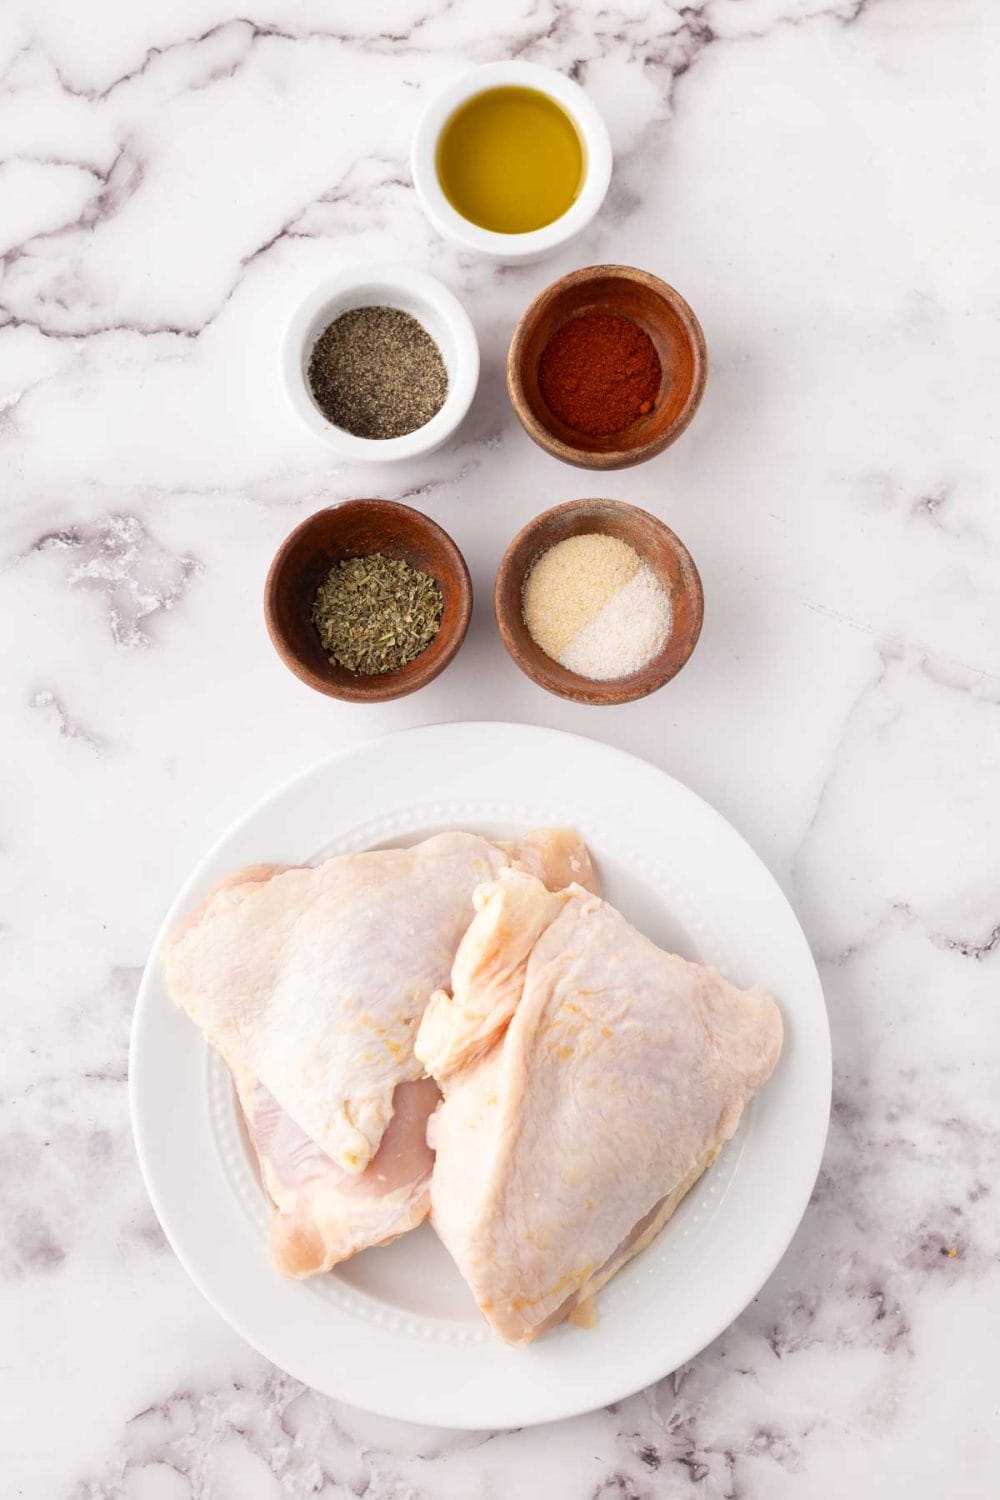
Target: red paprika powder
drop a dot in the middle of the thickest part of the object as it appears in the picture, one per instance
(599, 373)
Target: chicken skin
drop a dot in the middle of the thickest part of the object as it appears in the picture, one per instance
(589, 1078)
(311, 984)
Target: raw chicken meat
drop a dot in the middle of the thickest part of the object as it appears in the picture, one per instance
(311, 983)
(323, 1214)
(589, 1079)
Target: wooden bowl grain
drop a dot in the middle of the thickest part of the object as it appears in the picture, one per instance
(676, 334)
(655, 543)
(357, 528)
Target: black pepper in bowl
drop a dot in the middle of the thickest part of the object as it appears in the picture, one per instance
(377, 373)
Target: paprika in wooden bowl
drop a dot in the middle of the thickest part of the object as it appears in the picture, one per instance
(607, 367)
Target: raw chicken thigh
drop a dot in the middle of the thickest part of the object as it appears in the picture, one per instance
(589, 1079)
(323, 1214)
(311, 983)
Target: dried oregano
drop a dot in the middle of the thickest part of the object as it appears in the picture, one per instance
(375, 614)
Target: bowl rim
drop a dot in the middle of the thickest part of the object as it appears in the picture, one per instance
(560, 680)
(584, 114)
(374, 689)
(617, 458)
(381, 278)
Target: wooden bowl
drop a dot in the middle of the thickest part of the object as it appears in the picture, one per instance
(655, 543)
(676, 335)
(356, 528)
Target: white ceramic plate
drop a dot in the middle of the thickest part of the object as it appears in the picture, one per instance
(395, 1330)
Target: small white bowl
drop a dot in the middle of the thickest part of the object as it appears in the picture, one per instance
(536, 242)
(433, 306)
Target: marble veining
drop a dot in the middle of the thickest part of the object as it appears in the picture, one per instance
(818, 177)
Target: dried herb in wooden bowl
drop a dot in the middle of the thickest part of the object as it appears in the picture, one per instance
(376, 614)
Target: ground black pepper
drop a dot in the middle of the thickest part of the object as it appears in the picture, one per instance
(377, 373)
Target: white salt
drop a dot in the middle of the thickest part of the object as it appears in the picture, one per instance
(625, 634)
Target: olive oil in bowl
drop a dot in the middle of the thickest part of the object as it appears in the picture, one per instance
(510, 160)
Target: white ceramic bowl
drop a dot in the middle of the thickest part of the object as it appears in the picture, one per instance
(537, 242)
(437, 309)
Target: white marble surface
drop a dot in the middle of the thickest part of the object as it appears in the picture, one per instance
(820, 180)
